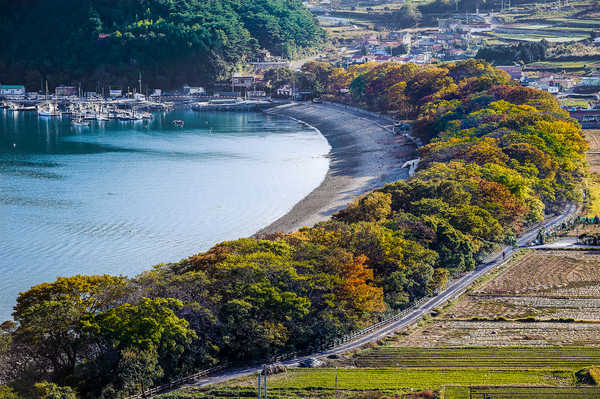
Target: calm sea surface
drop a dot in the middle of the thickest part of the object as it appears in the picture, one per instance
(118, 197)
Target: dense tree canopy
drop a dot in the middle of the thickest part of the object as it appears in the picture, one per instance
(169, 42)
(507, 55)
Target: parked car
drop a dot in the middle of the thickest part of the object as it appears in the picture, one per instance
(311, 362)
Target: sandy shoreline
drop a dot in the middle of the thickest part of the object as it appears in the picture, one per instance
(364, 155)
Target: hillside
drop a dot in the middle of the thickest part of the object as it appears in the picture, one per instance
(169, 42)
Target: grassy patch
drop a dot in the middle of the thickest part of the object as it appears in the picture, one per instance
(536, 38)
(402, 379)
(593, 207)
(573, 102)
(456, 392)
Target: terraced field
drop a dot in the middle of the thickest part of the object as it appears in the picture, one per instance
(405, 379)
(549, 273)
(529, 393)
(546, 298)
(553, 358)
(593, 156)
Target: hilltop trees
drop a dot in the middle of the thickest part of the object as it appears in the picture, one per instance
(169, 42)
(522, 52)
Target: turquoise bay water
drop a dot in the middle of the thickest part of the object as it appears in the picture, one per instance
(118, 197)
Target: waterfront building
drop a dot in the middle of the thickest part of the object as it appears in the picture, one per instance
(239, 80)
(12, 90)
(65, 91)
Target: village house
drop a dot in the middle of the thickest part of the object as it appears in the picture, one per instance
(553, 84)
(592, 80)
(450, 26)
(263, 60)
(453, 38)
(261, 56)
(479, 27)
(515, 72)
(239, 80)
(454, 54)
(368, 40)
(395, 39)
(285, 91)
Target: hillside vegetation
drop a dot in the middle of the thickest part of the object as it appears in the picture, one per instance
(169, 42)
(499, 155)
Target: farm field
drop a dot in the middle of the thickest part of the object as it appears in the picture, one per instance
(447, 392)
(545, 298)
(548, 274)
(593, 138)
(552, 358)
(521, 392)
(532, 37)
(593, 156)
(561, 65)
(403, 379)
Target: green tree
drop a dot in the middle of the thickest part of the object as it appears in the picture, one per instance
(406, 16)
(8, 393)
(49, 319)
(138, 369)
(49, 390)
(151, 325)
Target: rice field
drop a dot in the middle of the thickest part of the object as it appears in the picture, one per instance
(549, 273)
(527, 393)
(552, 358)
(399, 379)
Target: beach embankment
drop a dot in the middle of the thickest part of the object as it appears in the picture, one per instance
(365, 154)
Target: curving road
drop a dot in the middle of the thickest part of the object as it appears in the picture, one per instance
(451, 292)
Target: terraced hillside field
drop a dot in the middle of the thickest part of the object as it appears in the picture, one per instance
(546, 298)
(593, 157)
(506, 358)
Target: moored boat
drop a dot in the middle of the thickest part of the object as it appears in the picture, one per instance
(80, 122)
(48, 108)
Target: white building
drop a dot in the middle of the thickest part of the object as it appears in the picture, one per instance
(12, 90)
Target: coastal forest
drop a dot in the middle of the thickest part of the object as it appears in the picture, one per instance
(495, 158)
(168, 42)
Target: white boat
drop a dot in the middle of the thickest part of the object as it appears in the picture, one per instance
(48, 108)
(80, 122)
(19, 107)
(125, 116)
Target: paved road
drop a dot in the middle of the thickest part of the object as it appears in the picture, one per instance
(452, 291)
